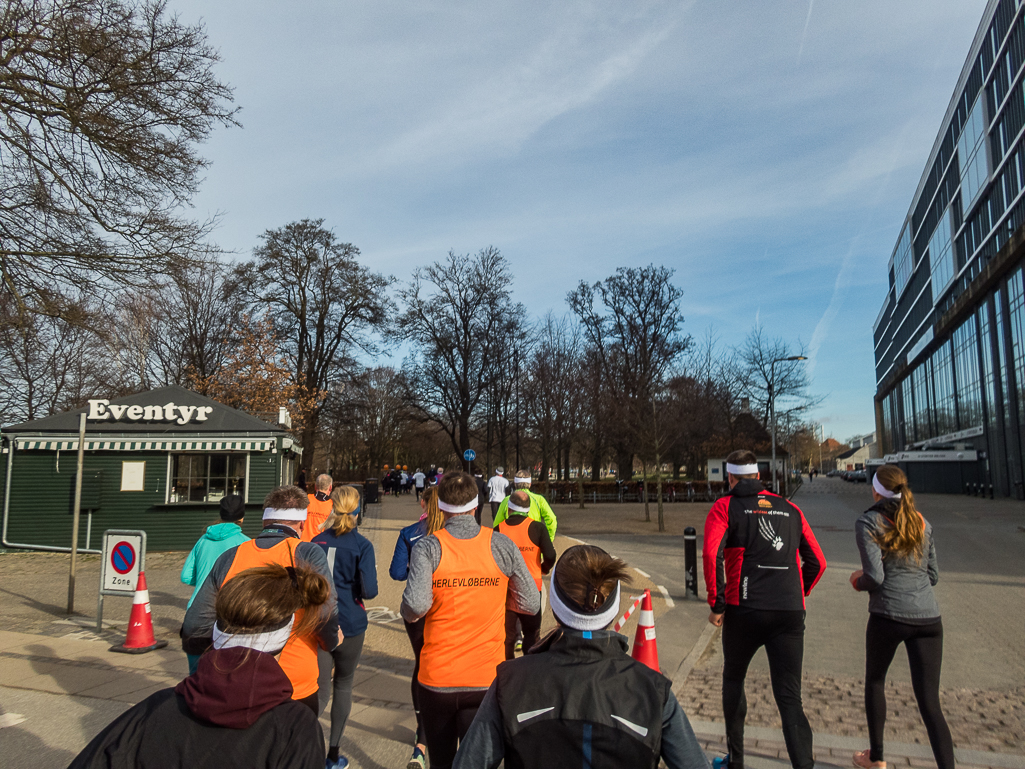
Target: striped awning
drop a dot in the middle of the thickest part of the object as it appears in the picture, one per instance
(72, 445)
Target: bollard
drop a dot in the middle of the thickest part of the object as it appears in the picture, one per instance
(690, 560)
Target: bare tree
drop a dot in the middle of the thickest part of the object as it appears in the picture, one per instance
(458, 314)
(324, 303)
(102, 105)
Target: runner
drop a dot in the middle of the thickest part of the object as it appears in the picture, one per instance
(578, 699)
(898, 559)
(237, 709)
(419, 480)
(431, 519)
(540, 510)
(498, 487)
(351, 558)
(760, 561)
(460, 579)
(531, 537)
(319, 508)
(284, 516)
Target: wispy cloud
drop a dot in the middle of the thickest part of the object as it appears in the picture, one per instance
(804, 34)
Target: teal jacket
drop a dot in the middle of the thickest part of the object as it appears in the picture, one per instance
(218, 538)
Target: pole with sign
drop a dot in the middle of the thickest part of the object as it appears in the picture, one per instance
(469, 455)
(77, 516)
(124, 556)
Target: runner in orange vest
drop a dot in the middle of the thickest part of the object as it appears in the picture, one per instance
(531, 537)
(284, 517)
(320, 508)
(461, 578)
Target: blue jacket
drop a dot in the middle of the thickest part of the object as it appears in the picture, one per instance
(218, 538)
(350, 557)
(408, 537)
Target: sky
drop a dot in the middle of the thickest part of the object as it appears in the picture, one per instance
(766, 151)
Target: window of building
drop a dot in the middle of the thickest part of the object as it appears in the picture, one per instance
(207, 477)
(972, 157)
(943, 385)
(907, 412)
(922, 380)
(966, 371)
(941, 257)
(903, 261)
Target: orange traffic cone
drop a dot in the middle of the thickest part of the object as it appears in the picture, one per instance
(645, 647)
(140, 625)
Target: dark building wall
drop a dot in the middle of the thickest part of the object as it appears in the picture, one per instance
(42, 496)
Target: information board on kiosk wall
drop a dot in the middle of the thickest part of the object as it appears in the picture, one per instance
(124, 556)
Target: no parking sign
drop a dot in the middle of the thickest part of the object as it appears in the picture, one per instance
(123, 555)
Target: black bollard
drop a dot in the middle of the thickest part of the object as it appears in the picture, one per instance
(690, 560)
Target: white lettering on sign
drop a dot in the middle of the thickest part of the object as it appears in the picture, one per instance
(100, 410)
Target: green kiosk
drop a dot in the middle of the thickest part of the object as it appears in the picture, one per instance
(159, 461)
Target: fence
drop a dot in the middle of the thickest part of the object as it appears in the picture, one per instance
(631, 491)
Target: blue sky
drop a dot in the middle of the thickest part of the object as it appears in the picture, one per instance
(768, 151)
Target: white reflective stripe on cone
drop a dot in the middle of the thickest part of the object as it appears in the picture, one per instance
(141, 596)
(647, 618)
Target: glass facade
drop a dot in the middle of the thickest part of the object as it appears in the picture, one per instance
(950, 339)
(207, 477)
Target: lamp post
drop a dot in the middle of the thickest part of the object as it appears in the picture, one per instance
(772, 411)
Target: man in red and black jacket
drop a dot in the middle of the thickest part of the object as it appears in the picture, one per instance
(760, 560)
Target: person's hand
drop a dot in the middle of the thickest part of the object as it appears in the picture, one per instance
(715, 619)
(855, 576)
(341, 636)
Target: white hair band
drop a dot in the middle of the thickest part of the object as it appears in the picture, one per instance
(579, 621)
(517, 509)
(522, 480)
(882, 491)
(284, 514)
(741, 469)
(271, 641)
(445, 507)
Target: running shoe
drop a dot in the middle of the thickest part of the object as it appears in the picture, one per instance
(863, 759)
(417, 760)
(721, 762)
(341, 763)
(518, 647)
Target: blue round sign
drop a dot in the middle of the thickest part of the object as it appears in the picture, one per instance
(469, 455)
(122, 557)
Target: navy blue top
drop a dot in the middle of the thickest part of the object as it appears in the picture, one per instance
(350, 558)
(408, 537)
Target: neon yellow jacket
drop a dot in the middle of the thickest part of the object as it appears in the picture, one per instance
(540, 510)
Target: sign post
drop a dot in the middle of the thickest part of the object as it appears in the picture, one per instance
(124, 556)
(469, 455)
(77, 516)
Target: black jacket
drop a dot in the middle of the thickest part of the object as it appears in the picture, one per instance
(234, 711)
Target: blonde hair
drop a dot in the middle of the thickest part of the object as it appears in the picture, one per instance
(435, 518)
(904, 536)
(344, 507)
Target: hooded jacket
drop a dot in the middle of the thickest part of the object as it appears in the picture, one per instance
(235, 711)
(217, 539)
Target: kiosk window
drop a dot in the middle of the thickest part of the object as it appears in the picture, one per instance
(206, 477)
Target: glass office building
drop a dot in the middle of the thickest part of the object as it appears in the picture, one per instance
(950, 337)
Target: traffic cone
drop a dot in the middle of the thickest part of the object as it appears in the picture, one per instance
(645, 647)
(140, 637)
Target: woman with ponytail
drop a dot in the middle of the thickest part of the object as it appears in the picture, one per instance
(237, 709)
(431, 520)
(898, 559)
(577, 698)
(354, 571)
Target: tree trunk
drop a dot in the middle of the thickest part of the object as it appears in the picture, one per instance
(644, 480)
(580, 487)
(596, 467)
(625, 466)
(661, 514)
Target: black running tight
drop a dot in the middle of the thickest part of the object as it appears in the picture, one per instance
(415, 631)
(924, 644)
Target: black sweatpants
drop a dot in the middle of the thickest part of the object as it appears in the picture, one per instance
(744, 632)
(924, 644)
(337, 672)
(531, 624)
(447, 717)
(415, 631)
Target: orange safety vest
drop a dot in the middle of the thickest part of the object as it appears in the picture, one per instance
(299, 657)
(316, 515)
(464, 632)
(531, 553)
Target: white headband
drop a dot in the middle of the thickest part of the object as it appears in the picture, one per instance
(445, 507)
(271, 641)
(741, 469)
(520, 479)
(285, 514)
(882, 490)
(577, 621)
(517, 509)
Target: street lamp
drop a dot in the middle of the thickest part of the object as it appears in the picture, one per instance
(772, 411)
